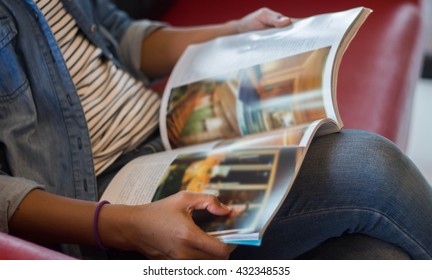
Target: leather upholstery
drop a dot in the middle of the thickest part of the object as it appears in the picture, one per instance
(12, 248)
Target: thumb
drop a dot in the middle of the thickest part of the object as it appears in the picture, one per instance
(208, 202)
(274, 19)
(278, 20)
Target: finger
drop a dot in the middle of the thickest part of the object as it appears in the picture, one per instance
(274, 19)
(195, 237)
(189, 239)
(211, 203)
(211, 247)
(282, 21)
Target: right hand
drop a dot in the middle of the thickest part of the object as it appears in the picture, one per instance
(261, 19)
(165, 230)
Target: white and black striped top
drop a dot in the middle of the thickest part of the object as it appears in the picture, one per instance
(121, 113)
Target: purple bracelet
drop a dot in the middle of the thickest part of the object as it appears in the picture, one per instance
(95, 224)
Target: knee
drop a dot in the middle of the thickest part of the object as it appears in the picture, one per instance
(359, 146)
(378, 159)
(361, 149)
(373, 154)
(360, 159)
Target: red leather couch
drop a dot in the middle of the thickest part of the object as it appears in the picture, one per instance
(377, 75)
(12, 248)
(379, 70)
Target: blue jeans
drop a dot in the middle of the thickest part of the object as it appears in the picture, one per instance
(352, 185)
(357, 196)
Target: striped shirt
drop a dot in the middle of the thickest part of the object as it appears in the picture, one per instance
(120, 112)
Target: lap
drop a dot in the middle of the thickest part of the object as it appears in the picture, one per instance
(352, 186)
(352, 182)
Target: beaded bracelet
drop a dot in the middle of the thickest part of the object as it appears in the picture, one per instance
(95, 224)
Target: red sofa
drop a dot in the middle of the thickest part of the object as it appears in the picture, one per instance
(12, 248)
(377, 75)
(380, 69)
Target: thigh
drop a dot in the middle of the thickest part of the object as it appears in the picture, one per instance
(355, 247)
(352, 182)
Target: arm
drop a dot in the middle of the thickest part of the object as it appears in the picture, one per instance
(161, 50)
(162, 229)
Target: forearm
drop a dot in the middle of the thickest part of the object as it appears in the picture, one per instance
(163, 229)
(161, 50)
(44, 217)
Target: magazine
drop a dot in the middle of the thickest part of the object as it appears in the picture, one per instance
(238, 114)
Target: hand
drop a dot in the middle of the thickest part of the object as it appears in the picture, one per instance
(261, 19)
(166, 229)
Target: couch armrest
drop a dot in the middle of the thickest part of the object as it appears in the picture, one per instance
(13, 248)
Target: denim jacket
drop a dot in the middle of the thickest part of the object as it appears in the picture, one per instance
(44, 139)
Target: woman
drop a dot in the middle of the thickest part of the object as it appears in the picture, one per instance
(64, 68)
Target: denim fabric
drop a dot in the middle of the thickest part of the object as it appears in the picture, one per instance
(352, 182)
(355, 247)
(43, 132)
(44, 135)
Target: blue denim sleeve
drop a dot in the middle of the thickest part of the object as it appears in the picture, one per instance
(127, 32)
(113, 19)
(130, 45)
(12, 191)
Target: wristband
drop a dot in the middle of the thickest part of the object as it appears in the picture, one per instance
(95, 224)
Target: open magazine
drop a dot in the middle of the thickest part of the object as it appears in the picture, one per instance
(237, 117)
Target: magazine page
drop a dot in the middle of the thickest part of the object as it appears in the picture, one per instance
(137, 181)
(270, 96)
(294, 136)
(258, 81)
